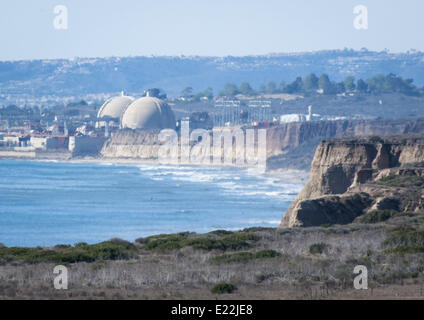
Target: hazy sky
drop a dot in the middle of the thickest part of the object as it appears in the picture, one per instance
(98, 28)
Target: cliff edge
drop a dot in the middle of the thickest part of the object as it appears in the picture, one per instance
(352, 177)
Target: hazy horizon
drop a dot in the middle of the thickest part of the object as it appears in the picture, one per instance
(127, 28)
(276, 54)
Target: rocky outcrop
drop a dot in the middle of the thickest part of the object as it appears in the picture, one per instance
(342, 169)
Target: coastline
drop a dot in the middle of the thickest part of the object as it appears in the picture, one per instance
(279, 179)
(289, 174)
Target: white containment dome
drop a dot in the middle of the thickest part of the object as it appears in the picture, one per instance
(114, 107)
(148, 113)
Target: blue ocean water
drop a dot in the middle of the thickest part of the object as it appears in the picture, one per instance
(48, 203)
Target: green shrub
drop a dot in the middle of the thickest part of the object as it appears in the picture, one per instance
(223, 287)
(81, 252)
(379, 216)
(376, 139)
(81, 245)
(265, 254)
(402, 181)
(62, 246)
(239, 257)
(418, 164)
(317, 248)
(112, 250)
(234, 241)
(263, 277)
(237, 241)
(405, 240)
(221, 232)
(257, 229)
(165, 242)
(243, 257)
(142, 240)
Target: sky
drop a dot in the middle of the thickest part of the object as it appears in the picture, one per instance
(105, 28)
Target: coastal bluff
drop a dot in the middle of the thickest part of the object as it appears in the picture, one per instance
(289, 145)
(353, 176)
(292, 145)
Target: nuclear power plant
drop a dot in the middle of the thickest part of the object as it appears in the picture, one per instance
(148, 113)
(115, 107)
(88, 134)
(143, 113)
(126, 120)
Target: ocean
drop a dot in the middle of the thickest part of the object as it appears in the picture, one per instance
(47, 203)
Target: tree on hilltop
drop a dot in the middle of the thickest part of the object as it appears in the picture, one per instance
(272, 87)
(187, 92)
(230, 90)
(246, 89)
(295, 87)
(349, 83)
(325, 84)
(311, 82)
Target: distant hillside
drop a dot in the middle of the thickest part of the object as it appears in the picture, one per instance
(81, 76)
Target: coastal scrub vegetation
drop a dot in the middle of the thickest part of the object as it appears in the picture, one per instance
(405, 240)
(223, 287)
(377, 216)
(114, 249)
(376, 139)
(402, 181)
(224, 241)
(318, 248)
(244, 257)
(314, 262)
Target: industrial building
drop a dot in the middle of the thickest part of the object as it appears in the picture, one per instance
(227, 113)
(148, 113)
(49, 143)
(143, 113)
(115, 107)
(259, 111)
(299, 117)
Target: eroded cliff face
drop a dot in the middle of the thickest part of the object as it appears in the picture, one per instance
(345, 175)
(132, 144)
(293, 144)
(289, 145)
(145, 145)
